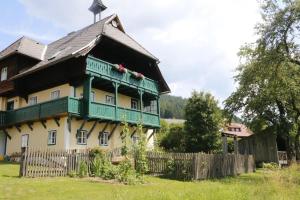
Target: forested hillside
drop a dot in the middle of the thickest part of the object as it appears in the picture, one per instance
(172, 106)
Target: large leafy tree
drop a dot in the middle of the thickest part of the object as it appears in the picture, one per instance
(269, 74)
(203, 122)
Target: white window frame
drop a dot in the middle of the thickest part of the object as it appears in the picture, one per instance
(24, 140)
(4, 74)
(52, 135)
(103, 140)
(136, 102)
(82, 137)
(32, 100)
(55, 94)
(109, 99)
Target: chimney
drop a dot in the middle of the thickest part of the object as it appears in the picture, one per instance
(96, 8)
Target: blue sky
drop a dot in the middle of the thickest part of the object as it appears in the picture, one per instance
(196, 41)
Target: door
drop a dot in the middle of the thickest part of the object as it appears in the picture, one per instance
(10, 105)
(2, 143)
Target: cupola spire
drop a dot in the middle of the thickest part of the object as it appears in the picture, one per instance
(96, 8)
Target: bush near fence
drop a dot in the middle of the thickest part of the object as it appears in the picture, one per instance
(188, 166)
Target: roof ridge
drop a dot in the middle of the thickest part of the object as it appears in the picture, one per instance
(80, 30)
(12, 44)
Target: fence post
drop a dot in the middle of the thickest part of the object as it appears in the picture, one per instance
(22, 164)
(236, 145)
(225, 146)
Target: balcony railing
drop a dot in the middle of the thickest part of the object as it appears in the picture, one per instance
(106, 71)
(111, 112)
(73, 106)
(41, 111)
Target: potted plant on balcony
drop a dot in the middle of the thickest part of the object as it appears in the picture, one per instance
(120, 68)
(138, 75)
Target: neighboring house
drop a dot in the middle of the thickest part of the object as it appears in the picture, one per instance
(75, 92)
(236, 130)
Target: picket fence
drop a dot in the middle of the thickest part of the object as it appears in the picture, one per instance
(46, 163)
(195, 166)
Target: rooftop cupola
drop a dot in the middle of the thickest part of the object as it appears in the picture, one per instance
(97, 7)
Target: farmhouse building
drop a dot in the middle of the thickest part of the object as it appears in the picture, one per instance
(76, 92)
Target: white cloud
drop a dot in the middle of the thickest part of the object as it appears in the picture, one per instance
(197, 40)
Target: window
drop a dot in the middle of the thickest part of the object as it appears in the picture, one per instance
(4, 74)
(55, 94)
(104, 139)
(135, 139)
(32, 101)
(82, 137)
(110, 100)
(52, 137)
(24, 140)
(134, 104)
(10, 105)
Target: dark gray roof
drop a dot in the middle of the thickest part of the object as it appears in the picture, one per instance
(25, 46)
(81, 42)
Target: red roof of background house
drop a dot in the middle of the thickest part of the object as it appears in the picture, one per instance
(236, 129)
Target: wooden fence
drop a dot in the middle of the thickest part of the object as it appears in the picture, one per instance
(262, 146)
(198, 166)
(45, 163)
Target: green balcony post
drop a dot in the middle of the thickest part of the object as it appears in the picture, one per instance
(158, 108)
(116, 86)
(87, 90)
(141, 93)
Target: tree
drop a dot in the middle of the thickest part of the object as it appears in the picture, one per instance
(203, 121)
(269, 76)
(174, 140)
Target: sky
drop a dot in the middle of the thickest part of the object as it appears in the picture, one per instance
(196, 41)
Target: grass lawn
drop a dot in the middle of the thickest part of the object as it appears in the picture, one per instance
(264, 184)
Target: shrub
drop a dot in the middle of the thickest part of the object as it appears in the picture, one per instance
(96, 167)
(126, 173)
(141, 161)
(72, 174)
(271, 166)
(171, 168)
(83, 169)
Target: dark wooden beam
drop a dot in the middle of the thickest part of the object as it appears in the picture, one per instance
(6, 133)
(43, 122)
(134, 131)
(56, 119)
(146, 130)
(29, 124)
(92, 129)
(103, 130)
(152, 134)
(82, 125)
(69, 120)
(18, 127)
(113, 131)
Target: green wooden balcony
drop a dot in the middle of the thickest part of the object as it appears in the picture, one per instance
(73, 106)
(118, 114)
(105, 70)
(41, 111)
